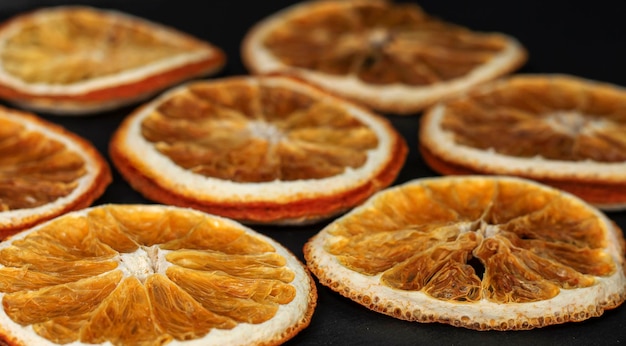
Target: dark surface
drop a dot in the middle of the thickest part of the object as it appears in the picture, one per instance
(561, 37)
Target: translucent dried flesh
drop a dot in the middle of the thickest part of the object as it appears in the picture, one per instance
(244, 133)
(555, 119)
(81, 44)
(216, 276)
(381, 43)
(468, 240)
(34, 169)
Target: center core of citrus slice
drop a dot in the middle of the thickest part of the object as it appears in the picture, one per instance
(573, 123)
(378, 37)
(489, 231)
(265, 131)
(142, 263)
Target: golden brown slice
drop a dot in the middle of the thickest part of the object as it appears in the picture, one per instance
(485, 253)
(45, 171)
(392, 57)
(193, 277)
(561, 130)
(257, 149)
(77, 59)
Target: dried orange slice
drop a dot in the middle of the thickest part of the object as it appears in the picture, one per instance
(258, 150)
(561, 130)
(78, 59)
(45, 171)
(392, 57)
(150, 275)
(485, 253)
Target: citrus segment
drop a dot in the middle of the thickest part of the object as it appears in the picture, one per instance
(262, 266)
(257, 149)
(474, 251)
(560, 130)
(78, 297)
(211, 235)
(120, 319)
(61, 329)
(390, 56)
(159, 291)
(507, 280)
(439, 270)
(45, 171)
(78, 59)
(247, 301)
(179, 313)
(56, 273)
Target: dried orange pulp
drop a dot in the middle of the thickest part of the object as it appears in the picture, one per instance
(481, 252)
(150, 274)
(390, 56)
(79, 59)
(45, 171)
(257, 149)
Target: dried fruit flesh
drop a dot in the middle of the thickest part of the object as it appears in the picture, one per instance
(34, 169)
(78, 42)
(382, 44)
(248, 134)
(45, 171)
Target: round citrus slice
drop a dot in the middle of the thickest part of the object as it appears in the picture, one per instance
(78, 60)
(392, 57)
(150, 275)
(485, 253)
(258, 150)
(561, 130)
(45, 171)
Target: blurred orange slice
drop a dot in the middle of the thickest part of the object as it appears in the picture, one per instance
(258, 150)
(150, 275)
(390, 56)
(45, 171)
(561, 130)
(485, 253)
(77, 59)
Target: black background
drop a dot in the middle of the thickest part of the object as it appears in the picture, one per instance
(585, 39)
